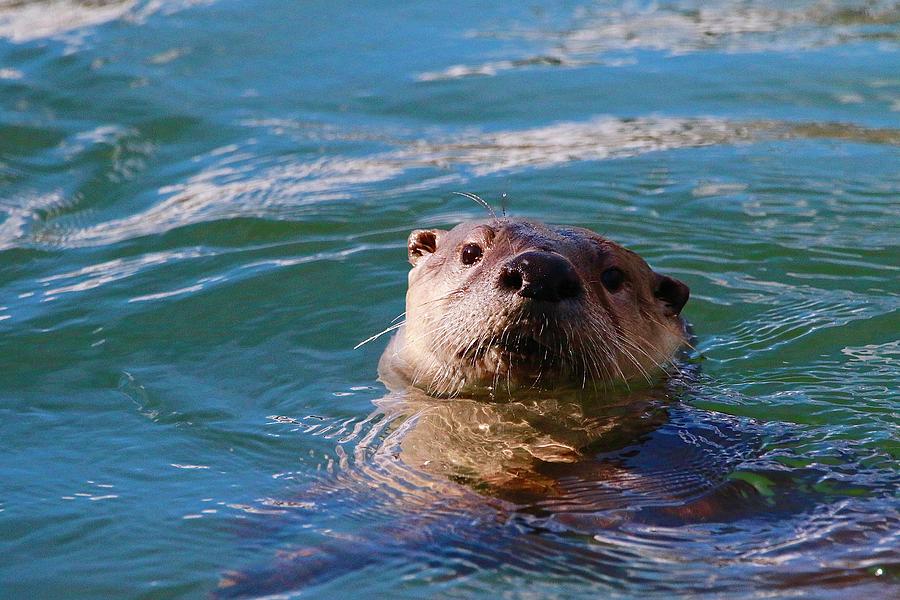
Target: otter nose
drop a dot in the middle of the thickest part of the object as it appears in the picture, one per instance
(540, 276)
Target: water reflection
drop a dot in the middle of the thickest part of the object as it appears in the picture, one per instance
(637, 478)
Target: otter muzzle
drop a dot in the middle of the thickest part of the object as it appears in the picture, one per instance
(539, 275)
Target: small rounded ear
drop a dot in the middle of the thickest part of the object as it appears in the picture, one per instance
(422, 242)
(672, 293)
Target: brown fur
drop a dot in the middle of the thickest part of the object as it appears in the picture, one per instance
(462, 330)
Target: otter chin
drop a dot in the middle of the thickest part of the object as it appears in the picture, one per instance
(516, 303)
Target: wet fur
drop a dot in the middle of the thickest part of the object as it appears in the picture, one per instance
(484, 458)
(461, 332)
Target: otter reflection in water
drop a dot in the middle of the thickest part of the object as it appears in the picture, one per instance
(526, 380)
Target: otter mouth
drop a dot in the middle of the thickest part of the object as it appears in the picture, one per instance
(517, 350)
(520, 346)
(512, 347)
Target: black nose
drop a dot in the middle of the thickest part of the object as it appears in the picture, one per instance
(541, 276)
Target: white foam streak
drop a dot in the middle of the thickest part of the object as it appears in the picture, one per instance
(99, 274)
(19, 213)
(27, 21)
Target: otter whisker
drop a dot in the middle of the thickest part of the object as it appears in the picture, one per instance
(614, 337)
(656, 362)
(618, 345)
(452, 294)
(598, 363)
(480, 201)
(592, 366)
(637, 364)
(379, 334)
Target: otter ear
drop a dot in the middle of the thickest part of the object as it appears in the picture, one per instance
(422, 242)
(672, 293)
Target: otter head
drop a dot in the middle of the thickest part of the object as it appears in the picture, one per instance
(513, 302)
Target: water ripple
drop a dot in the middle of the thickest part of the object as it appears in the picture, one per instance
(613, 35)
(241, 185)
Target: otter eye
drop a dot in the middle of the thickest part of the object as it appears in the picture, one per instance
(612, 279)
(470, 254)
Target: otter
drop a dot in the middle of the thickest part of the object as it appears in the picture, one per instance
(509, 378)
(515, 309)
(452, 476)
(512, 303)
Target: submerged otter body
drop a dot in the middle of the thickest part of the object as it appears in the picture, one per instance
(515, 303)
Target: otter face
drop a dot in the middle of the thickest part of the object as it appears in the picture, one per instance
(517, 303)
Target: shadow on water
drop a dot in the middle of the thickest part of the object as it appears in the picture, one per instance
(621, 492)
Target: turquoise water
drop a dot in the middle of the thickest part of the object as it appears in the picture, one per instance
(204, 207)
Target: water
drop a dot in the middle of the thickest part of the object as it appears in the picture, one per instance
(204, 207)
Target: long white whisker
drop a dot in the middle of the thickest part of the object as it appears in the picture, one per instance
(479, 200)
(379, 334)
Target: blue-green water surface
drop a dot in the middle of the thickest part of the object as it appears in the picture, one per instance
(204, 207)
